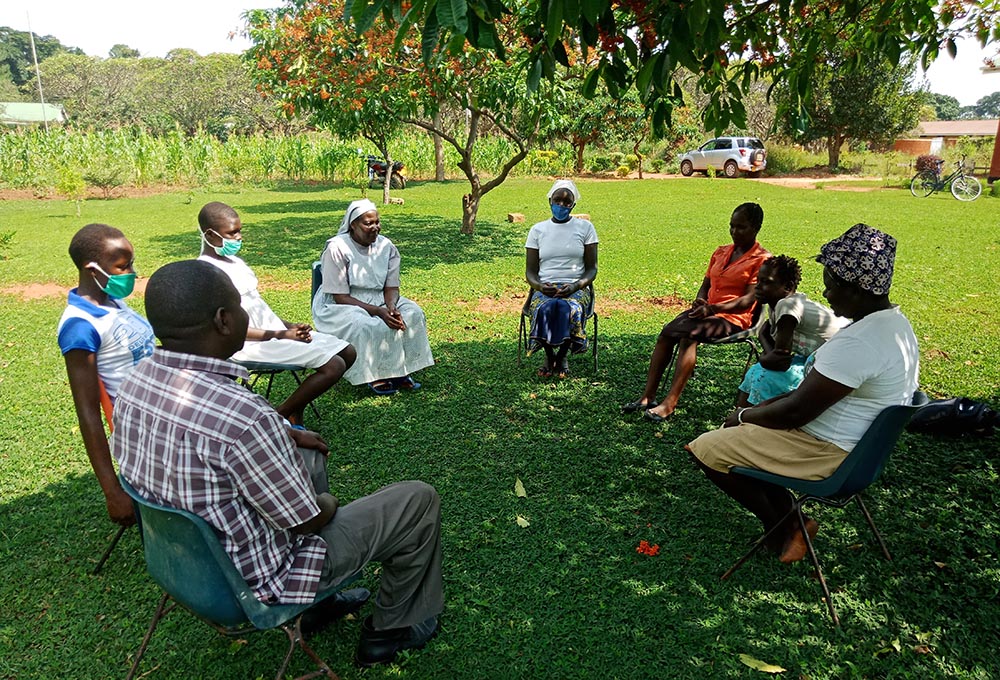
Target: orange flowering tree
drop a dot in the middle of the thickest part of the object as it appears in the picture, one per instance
(370, 83)
(640, 44)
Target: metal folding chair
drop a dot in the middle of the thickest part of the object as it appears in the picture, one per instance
(862, 466)
(185, 558)
(589, 313)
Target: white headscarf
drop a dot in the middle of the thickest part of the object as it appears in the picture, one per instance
(568, 185)
(355, 210)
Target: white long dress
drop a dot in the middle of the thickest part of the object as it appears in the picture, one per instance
(364, 272)
(314, 354)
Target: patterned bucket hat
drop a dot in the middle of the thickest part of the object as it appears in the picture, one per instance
(862, 255)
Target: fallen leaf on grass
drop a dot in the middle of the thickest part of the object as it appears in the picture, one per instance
(658, 435)
(759, 665)
(940, 565)
(519, 489)
(922, 649)
(533, 396)
(522, 522)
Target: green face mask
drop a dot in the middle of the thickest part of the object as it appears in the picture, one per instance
(119, 286)
(230, 246)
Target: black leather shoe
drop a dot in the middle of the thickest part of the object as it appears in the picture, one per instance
(381, 646)
(329, 610)
(637, 405)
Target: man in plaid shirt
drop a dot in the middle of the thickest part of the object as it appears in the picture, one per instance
(187, 435)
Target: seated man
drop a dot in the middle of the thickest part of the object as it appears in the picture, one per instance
(187, 435)
(270, 339)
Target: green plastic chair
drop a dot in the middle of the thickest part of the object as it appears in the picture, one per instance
(862, 466)
(185, 558)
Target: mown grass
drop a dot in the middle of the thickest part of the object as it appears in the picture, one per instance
(567, 596)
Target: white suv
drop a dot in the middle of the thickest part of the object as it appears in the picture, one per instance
(728, 154)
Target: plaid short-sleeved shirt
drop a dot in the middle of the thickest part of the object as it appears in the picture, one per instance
(188, 436)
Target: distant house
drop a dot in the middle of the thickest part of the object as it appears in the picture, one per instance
(31, 113)
(934, 135)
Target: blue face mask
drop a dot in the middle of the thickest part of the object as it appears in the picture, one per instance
(230, 246)
(560, 213)
(119, 286)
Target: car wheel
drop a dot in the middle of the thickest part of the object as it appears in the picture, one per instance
(687, 169)
(731, 169)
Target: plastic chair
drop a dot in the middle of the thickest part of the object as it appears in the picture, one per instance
(589, 313)
(108, 408)
(185, 558)
(862, 466)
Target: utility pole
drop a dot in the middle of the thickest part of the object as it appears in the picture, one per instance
(38, 74)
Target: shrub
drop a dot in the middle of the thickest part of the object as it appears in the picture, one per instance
(617, 158)
(782, 158)
(994, 191)
(657, 164)
(632, 161)
(600, 164)
(622, 171)
(928, 161)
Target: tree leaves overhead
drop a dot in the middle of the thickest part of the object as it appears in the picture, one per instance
(728, 44)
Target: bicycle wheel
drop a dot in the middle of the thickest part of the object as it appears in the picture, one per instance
(923, 184)
(966, 188)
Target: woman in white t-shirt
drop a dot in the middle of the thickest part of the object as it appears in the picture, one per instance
(866, 367)
(560, 265)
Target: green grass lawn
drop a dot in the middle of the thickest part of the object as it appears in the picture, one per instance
(567, 596)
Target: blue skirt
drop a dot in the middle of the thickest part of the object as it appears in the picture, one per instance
(554, 321)
(762, 384)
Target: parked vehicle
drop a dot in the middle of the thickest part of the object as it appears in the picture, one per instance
(376, 173)
(964, 186)
(730, 155)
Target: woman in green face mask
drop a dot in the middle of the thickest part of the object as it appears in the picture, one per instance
(101, 340)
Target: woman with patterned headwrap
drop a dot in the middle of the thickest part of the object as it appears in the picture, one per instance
(560, 265)
(866, 367)
(359, 301)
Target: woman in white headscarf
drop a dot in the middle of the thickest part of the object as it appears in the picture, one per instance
(560, 265)
(359, 301)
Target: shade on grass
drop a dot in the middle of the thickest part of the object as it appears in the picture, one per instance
(567, 596)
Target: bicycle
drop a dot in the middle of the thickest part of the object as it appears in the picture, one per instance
(963, 187)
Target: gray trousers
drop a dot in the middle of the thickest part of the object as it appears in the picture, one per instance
(400, 526)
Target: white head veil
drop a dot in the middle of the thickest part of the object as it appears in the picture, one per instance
(568, 185)
(355, 210)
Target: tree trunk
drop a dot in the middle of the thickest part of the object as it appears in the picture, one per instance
(579, 146)
(833, 144)
(470, 207)
(635, 150)
(438, 150)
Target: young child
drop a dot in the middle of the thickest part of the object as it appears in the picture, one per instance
(269, 338)
(101, 340)
(795, 328)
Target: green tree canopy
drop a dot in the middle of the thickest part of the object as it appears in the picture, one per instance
(945, 106)
(641, 43)
(988, 106)
(15, 53)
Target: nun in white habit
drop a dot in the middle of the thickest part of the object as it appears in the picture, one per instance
(359, 301)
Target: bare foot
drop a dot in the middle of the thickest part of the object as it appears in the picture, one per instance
(795, 545)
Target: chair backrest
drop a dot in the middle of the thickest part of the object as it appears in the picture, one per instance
(864, 464)
(184, 556)
(317, 279)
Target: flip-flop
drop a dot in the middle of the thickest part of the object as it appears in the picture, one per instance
(405, 383)
(637, 405)
(382, 387)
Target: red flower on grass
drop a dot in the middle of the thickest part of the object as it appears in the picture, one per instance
(645, 548)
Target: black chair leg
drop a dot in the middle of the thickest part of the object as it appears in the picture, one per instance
(107, 553)
(878, 535)
(294, 633)
(815, 561)
(595, 342)
(756, 546)
(160, 613)
(522, 344)
(312, 404)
